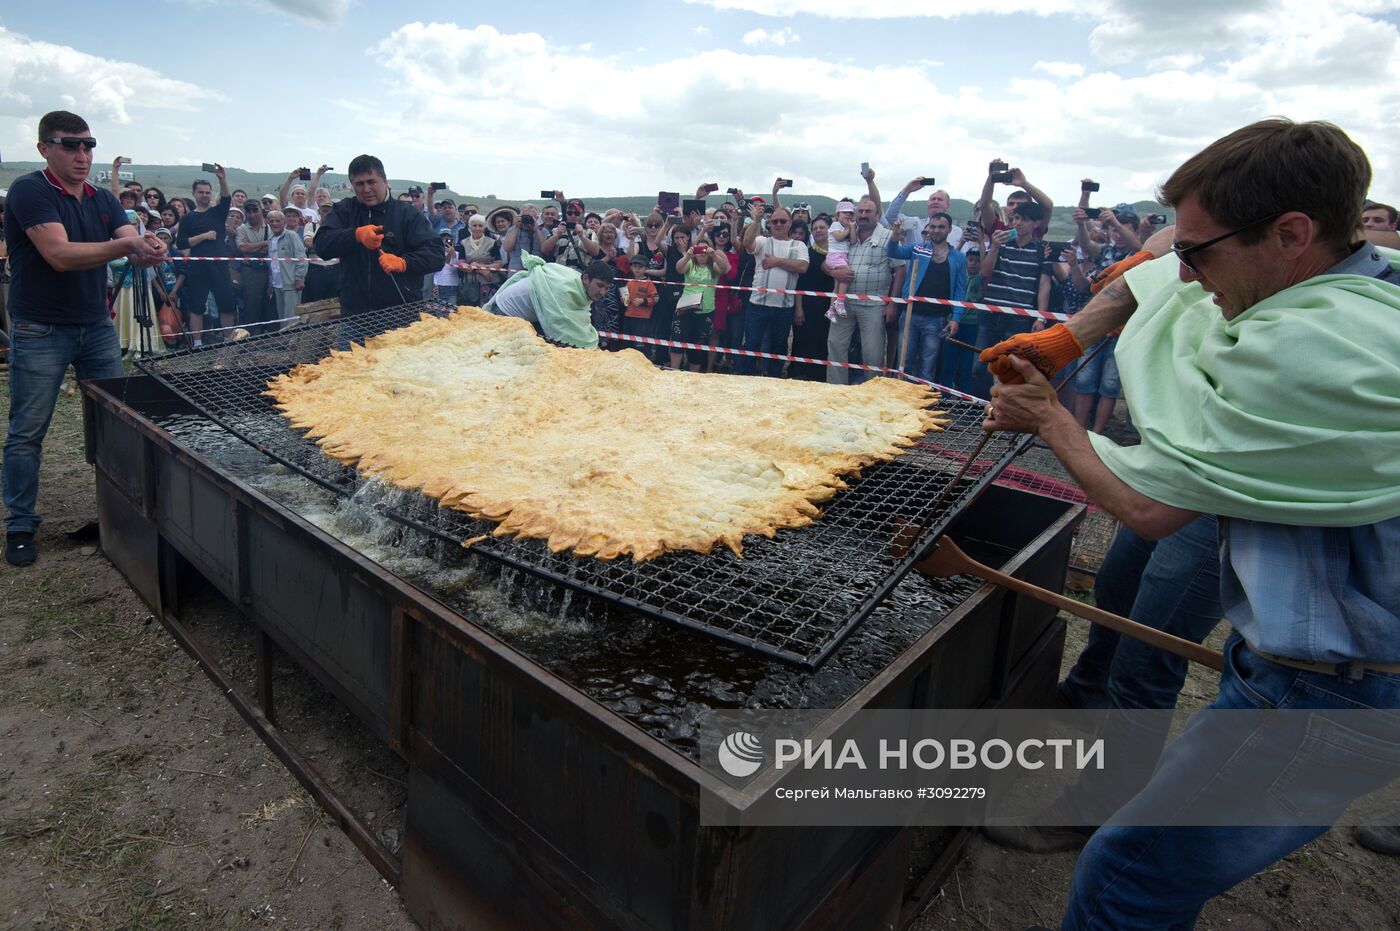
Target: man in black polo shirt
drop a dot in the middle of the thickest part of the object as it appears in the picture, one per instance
(202, 235)
(61, 232)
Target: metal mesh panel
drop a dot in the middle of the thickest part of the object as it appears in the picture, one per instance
(794, 597)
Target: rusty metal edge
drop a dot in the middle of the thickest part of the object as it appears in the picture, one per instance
(683, 774)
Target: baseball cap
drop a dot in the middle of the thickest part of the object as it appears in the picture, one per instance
(415, 189)
(269, 196)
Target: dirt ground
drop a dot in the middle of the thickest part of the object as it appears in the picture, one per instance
(132, 795)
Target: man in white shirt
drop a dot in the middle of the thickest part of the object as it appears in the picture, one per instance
(778, 260)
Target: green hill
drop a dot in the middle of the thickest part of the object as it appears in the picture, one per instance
(176, 180)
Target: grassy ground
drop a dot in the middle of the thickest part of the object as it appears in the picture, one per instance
(132, 796)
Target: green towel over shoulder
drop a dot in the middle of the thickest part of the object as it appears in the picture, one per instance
(560, 301)
(1289, 413)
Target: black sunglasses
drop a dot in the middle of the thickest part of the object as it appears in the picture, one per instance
(1182, 254)
(72, 143)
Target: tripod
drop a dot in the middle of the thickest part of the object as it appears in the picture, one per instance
(141, 297)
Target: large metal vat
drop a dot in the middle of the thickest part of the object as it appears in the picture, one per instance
(532, 804)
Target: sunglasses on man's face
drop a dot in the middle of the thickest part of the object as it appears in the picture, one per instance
(1184, 253)
(73, 143)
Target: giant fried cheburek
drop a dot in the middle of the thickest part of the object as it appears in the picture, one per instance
(598, 452)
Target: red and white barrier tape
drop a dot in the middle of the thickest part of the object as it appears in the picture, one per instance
(750, 353)
(870, 298)
(250, 258)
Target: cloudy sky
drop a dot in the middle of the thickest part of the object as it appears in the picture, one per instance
(628, 98)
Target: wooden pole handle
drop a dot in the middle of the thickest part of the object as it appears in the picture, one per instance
(949, 559)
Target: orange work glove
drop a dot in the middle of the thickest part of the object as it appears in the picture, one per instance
(1117, 269)
(1049, 351)
(392, 263)
(370, 236)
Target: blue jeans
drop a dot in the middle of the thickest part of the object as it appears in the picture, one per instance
(766, 329)
(1134, 874)
(40, 354)
(925, 339)
(992, 328)
(1173, 585)
(957, 362)
(1100, 374)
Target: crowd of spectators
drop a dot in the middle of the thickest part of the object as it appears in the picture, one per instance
(675, 271)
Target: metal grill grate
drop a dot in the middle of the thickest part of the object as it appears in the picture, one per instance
(794, 597)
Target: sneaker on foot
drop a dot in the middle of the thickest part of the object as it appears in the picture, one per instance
(19, 549)
(839, 306)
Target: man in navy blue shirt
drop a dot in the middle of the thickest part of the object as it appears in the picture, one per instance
(201, 235)
(61, 233)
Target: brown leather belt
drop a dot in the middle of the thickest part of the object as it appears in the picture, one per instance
(1329, 669)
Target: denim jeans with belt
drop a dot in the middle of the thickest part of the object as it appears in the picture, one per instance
(40, 354)
(1172, 585)
(1137, 873)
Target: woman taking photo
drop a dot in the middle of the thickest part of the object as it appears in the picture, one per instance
(702, 266)
(649, 261)
(729, 316)
(665, 314)
(809, 322)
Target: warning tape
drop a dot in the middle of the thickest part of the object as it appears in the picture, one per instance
(868, 298)
(751, 353)
(251, 258)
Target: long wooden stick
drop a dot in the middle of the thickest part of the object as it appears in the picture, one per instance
(949, 559)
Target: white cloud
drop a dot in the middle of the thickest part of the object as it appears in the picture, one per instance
(778, 37)
(887, 9)
(36, 77)
(702, 30)
(1127, 127)
(1059, 69)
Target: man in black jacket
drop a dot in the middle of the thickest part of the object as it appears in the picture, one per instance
(385, 246)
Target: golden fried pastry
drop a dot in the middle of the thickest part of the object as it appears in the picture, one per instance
(596, 452)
